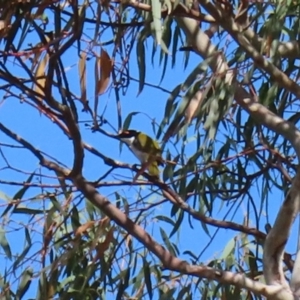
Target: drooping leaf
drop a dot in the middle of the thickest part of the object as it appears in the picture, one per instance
(167, 241)
(128, 120)
(82, 78)
(156, 13)
(147, 274)
(20, 194)
(40, 74)
(106, 66)
(4, 243)
(140, 53)
(25, 283)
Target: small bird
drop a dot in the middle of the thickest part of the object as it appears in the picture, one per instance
(144, 148)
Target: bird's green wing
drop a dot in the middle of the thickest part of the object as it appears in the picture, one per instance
(152, 145)
(156, 146)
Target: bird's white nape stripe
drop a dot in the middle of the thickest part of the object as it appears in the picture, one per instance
(129, 141)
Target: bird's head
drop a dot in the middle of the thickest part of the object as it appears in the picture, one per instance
(128, 136)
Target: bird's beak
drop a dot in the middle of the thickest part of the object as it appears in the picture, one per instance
(118, 136)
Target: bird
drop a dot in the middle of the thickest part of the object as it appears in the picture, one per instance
(146, 149)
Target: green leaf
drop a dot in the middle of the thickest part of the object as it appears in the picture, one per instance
(140, 54)
(147, 274)
(171, 105)
(156, 13)
(183, 291)
(165, 219)
(28, 211)
(55, 203)
(178, 223)
(229, 249)
(4, 243)
(19, 195)
(128, 120)
(167, 241)
(190, 253)
(168, 4)
(165, 42)
(191, 187)
(5, 197)
(168, 295)
(166, 56)
(252, 262)
(21, 256)
(9, 206)
(175, 44)
(199, 69)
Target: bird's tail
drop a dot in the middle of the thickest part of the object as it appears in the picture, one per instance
(153, 169)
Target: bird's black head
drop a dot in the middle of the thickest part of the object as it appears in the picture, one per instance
(128, 133)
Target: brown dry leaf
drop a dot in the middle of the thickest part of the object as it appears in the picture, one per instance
(105, 71)
(105, 4)
(104, 222)
(193, 107)
(2, 25)
(4, 28)
(40, 72)
(102, 247)
(97, 75)
(50, 290)
(82, 77)
(48, 235)
(128, 241)
(189, 113)
(35, 59)
(83, 228)
(268, 45)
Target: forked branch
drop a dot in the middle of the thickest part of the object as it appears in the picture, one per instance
(168, 260)
(203, 46)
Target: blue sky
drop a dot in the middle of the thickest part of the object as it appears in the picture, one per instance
(150, 104)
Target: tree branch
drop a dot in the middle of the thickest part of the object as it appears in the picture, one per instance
(169, 261)
(228, 23)
(277, 237)
(203, 46)
(289, 49)
(38, 154)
